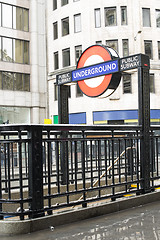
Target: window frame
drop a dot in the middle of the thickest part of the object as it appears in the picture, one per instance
(63, 57)
(129, 83)
(97, 10)
(79, 50)
(112, 41)
(143, 16)
(148, 42)
(123, 41)
(77, 23)
(62, 23)
(64, 2)
(55, 29)
(56, 60)
(54, 5)
(107, 24)
(124, 10)
(158, 22)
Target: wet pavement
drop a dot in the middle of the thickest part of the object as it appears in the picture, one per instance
(140, 223)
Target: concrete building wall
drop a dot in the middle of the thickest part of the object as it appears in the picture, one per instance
(134, 31)
(33, 101)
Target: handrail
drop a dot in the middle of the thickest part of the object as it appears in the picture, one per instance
(109, 168)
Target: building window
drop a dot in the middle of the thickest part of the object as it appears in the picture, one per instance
(7, 49)
(14, 81)
(7, 80)
(125, 47)
(26, 52)
(77, 23)
(110, 16)
(7, 15)
(18, 82)
(54, 4)
(124, 15)
(18, 49)
(76, 0)
(127, 83)
(55, 30)
(56, 61)
(65, 26)
(66, 57)
(20, 19)
(152, 84)
(97, 14)
(14, 115)
(146, 17)
(64, 2)
(55, 92)
(14, 50)
(78, 52)
(78, 91)
(26, 82)
(158, 18)
(113, 44)
(26, 20)
(159, 50)
(148, 49)
(15, 17)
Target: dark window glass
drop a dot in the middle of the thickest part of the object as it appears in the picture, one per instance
(125, 47)
(64, 2)
(55, 30)
(18, 82)
(54, 4)
(110, 16)
(148, 49)
(127, 83)
(65, 26)
(26, 81)
(7, 79)
(113, 44)
(78, 52)
(124, 15)
(66, 57)
(56, 61)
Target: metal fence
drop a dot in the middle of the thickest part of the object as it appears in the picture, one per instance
(45, 168)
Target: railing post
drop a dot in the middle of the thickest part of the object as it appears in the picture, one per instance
(63, 118)
(35, 166)
(1, 216)
(144, 121)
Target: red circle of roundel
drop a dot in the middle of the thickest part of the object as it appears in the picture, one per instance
(100, 89)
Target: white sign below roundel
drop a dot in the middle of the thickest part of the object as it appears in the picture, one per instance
(97, 71)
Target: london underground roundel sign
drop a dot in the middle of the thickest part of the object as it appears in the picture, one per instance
(102, 85)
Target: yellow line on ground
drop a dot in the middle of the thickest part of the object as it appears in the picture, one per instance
(127, 195)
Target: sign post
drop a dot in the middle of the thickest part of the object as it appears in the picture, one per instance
(144, 121)
(103, 77)
(63, 118)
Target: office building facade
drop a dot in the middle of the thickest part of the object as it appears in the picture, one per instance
(128, 26)
(23, 85)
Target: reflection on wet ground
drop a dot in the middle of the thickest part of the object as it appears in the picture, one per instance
(141, 223)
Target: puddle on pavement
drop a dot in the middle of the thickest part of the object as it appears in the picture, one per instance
(141, 223)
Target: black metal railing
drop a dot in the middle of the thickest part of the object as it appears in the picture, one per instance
(44, 168)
